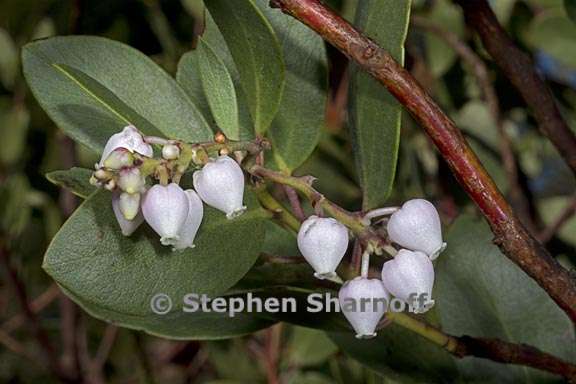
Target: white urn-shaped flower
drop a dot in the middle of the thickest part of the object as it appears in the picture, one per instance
(417, 226)
(126, 226)
(165, 209)
(220, 184)
(188, 231)
(131, 180)
(323, 243)
(364, 302)
(410, 277)
(131, 139)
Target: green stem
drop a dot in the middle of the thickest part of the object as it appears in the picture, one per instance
(282, 214)
(425, 330)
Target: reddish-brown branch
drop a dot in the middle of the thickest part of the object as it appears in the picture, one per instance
(519, 68)
(510, 235)
(509, 353)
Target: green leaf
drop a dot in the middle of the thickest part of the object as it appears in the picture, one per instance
(479, 292)
(108, 80)
(257, 54)
(76, 180)
(296, 128)
(114, 277)
(554, 33)
(8, 59)
(375, 115)
(14, 122)
(439, 55)
(307, 347)
(219, 89)
(401, 355)
(570, 6)
(189, 77)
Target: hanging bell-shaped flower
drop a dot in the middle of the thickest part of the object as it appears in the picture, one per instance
(192, 223)
(220, 184)
(131, 139)
(410, 277)
(129, 205)
(165, 209)
(131, 180)
(416, 226)
(126, 226)
(323, 243)
(364, 301)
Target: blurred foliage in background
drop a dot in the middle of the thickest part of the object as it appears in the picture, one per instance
(32, 209)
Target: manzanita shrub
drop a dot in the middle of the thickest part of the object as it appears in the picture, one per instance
(183, 200)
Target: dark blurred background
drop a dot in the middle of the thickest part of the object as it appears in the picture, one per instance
(37, 321)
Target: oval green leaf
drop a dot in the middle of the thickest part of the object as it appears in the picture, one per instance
(115, 277)
(219, 90)
(375, 116)
(189, 77)
(295, 130)
(132, 80)
(256, 53)
(479, 292)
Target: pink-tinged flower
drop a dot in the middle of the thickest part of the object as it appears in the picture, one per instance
(165, 209)
(192, 223)
(131, 139)
(220, 184)
(323, 243)
(126, 226)
(364, 302)
(416, 226)
(410, 277)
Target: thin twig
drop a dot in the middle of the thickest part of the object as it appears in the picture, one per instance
(105, 347)
(294, 203)
(33, 321)
(480, 72)
(493, 349)
(510, 235)
(272, 355)
(36, 306)
(520, 70)
(567, 213)
(15, 346)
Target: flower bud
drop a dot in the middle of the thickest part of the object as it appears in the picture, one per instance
(220, 184)
(416, 226)
(129, 205)
(363, 301)
(119, 158)
(131, 139)
(131, 180)
(165, 208)
(170, 152)
(192, 223)
(323, 243)
(126, 226)
(410, 277)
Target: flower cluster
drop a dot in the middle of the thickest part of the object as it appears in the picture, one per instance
(410, 274)
(128, 164)
(173, 213)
